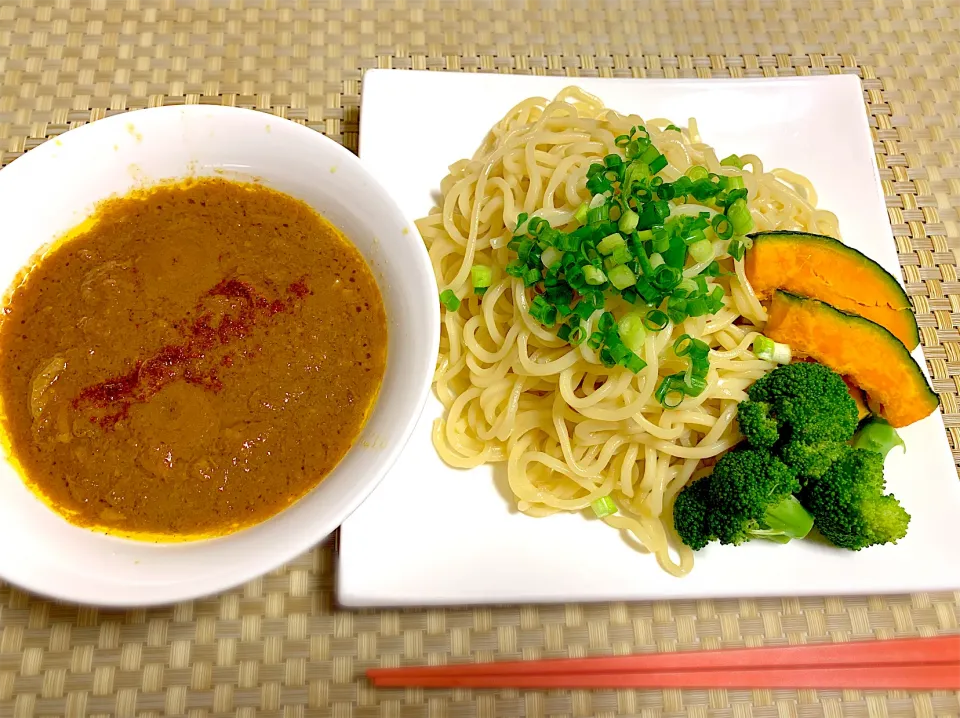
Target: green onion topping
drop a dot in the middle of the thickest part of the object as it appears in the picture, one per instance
(675, 387)
(628, 242)
(603, 506)
(769, 350)
(449, 300)
(732, 161)
(481, 276)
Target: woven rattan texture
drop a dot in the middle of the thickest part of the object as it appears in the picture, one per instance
(278, 646)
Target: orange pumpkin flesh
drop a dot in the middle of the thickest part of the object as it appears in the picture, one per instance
(855, 347)
(812, 265)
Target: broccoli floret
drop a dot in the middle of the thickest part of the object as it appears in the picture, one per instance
(748, 495)
(849, 506)
(757, 426)
(800, 411)
(812, 459)
(690, 515)
(877, 435)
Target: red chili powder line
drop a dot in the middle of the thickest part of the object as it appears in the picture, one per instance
(183, 361)
(299, 288)
(240, 290)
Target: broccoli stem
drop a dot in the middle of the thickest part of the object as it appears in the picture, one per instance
(787, 520)
(877, 435)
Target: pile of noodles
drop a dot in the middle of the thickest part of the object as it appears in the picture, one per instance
(570, 430)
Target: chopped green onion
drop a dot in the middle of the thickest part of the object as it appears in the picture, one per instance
(666, 191)
(551, 256)
(628, 221)
(653, 214)
(621, 255)
(598, 214)
(521, 221)
(649, 154)
(576, 270)
(732, 196)
(769, 350)
(671, 127)
(697, 307)
(610, 242)
(603, 506)
(739, 215)
(612, 161)
(686, 344)
(695, 386)
(481, 276)
(449, 300)
(634, 363)
(606, 322)
(621, 277)
(735, 182)
(632, 331)
(656, 320)
(666, 278)
(581, 214)
(593, 276)
(643, 262)
(516, 268)
(688, 285)
(543, 312)
(732, 161)
(719, 181)
(531, 277)
(671, 392)
(722, 226)
(716, 299)
(534, 224)
(735, 249)
(661, 242)
(701, 251)
(584, 309)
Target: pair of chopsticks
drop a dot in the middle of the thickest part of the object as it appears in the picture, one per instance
(901, 664)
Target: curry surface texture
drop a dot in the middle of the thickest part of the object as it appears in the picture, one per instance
(191, 362)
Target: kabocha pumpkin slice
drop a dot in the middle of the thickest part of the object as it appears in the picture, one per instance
(813, 265)
(857, 348)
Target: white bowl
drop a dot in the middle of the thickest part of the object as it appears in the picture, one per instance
(55, 186)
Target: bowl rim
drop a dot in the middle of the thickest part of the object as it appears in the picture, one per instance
(294, 545)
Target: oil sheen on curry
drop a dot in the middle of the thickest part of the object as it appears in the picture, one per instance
(191, 361)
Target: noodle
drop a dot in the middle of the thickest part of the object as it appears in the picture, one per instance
(571, 430)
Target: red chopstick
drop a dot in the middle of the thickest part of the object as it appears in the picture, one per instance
(906, 664)
(936, 677)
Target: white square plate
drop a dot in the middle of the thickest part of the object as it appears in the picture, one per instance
(435, 535)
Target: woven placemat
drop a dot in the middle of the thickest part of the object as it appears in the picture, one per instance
(278, 646)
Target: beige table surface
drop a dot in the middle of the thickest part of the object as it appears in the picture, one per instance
(278, 646)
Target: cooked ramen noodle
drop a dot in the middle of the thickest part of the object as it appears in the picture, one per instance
(572, 429)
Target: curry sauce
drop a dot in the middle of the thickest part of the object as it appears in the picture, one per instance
(194, 360)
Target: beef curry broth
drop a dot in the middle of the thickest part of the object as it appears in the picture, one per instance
(192, 363)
